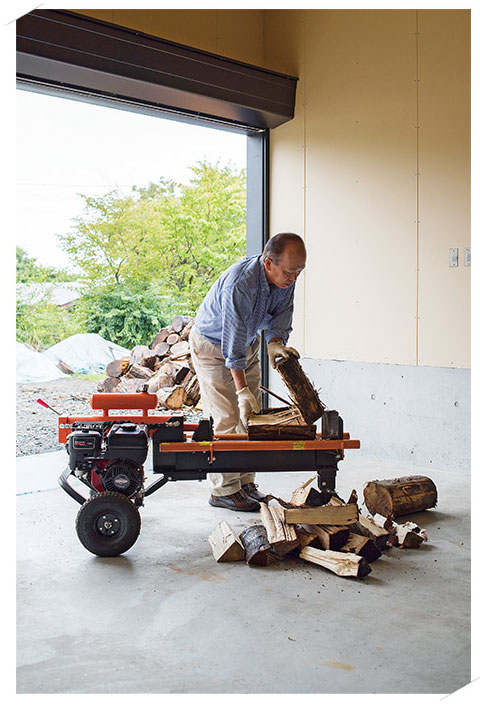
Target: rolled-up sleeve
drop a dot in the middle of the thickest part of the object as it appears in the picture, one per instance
(235, 304)
(280, 325)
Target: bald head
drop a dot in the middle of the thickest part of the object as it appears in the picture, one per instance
(284, 259)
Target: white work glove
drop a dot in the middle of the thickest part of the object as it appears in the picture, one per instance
(278, 352)
(247, 403)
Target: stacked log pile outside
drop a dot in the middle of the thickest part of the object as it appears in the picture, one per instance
(335, 535)
(165, 368)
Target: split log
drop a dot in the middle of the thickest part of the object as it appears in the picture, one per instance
(306, 538)
(281, 536)
(283, 423)
(130, 385)
(301, 389)
(149, 361)
(182, 374)
(328, 537)
(369, 528)
(255, 542)
(226, 545)
(173, 338)
(192, 391)
(321, 515)
(185, 334)
(110, 384)
(179, 349)
(303, 495)
(400, 496)
(162, 349)
(343, 564)
(138, 352)
(160, 380)
(408, 534)
(139, 372)
(160, 337)
(169, 368)
(174, 399)
(362, 546)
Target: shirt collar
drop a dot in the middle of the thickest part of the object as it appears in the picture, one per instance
(263, 279)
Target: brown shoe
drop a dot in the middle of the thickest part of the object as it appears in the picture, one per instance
(251, 489)
(236, 501)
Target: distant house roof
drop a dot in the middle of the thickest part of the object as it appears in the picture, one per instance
(58, 294)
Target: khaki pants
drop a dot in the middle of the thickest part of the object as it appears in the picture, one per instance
(219, 399)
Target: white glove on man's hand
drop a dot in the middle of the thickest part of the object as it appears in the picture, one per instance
(277, 352)
(247, 403)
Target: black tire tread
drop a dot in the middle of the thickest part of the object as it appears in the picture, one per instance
(94, 542)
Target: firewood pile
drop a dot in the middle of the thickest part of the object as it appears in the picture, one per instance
(165, 368)
(333, 535)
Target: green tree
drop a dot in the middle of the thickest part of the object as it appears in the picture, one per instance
(178, 237)
(29, 270)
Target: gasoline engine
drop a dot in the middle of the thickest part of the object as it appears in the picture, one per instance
(109, 456)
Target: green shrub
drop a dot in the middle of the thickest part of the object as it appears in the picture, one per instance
(126, 316)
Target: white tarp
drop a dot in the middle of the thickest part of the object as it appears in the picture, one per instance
(35, 367)
(86, 352)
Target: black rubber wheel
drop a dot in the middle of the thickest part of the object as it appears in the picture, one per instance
(108, 524)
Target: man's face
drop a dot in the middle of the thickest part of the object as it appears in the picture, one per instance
(288, 268)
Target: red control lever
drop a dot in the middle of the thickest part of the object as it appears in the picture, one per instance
(44, 404)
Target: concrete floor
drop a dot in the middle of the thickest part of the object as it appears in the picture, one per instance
(166, 618)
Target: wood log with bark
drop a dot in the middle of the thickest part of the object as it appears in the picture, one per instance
(109, 384)
(162, 349)
(281, 423)
(225, 543)
(179, 323)
(281, 536)
(255, 541)
(302, 392)
(117, 368)
(173, 338)
(160, 337)
(192, 391)
(179, 349)
(139, 372)
(343, 564)
(400, 496)
(185, 334)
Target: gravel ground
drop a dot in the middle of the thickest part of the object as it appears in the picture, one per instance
(37, 427)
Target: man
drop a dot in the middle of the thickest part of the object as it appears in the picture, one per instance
(254, 294)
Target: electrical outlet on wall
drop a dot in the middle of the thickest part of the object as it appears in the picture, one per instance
(467, 257)
(453, 253)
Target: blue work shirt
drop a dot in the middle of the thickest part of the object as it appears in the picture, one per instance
(240, 304)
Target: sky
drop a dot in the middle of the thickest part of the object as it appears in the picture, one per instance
(66, 147)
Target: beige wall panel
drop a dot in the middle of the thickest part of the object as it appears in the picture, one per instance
(283, 32)
(232, 33)
(361, 186)
(287, 198)
(444, 142)
(283, 40)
